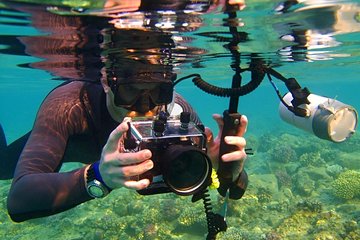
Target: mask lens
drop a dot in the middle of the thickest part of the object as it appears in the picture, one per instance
(126, 95)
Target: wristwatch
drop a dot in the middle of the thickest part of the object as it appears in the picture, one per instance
(94, 186)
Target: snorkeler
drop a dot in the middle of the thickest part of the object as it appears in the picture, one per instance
(74, 122)
(83, 121)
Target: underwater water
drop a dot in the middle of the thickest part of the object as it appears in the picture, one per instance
(300, 186)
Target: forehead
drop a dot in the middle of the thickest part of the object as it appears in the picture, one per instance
(140, 77)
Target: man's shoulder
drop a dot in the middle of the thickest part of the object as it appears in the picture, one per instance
(73, 86)
(65, 95)
(67, 105)
(73, 90)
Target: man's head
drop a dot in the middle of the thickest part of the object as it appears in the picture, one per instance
(140, 94)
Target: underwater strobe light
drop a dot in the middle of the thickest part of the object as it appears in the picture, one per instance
(326, 118)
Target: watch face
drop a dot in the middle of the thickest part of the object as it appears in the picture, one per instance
(96, 191)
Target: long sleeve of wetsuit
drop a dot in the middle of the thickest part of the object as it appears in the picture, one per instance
(38, 189)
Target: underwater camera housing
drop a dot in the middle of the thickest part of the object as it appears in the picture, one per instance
(178, 148)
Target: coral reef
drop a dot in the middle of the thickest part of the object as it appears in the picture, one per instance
(264, 195)
(272, 236)
(267, 140)
(309, 205)
(190, 216)
(313, 159)
(314, 196)
(330, 155)
(304, 185)
(231, 234)
(351, 145)
(284, 179)
(283, 154)
(295, 226)
(347, 185)
(334, 170)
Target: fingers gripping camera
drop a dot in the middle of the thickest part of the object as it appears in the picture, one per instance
(178, 148)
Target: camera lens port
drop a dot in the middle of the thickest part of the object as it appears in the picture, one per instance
(186, 169)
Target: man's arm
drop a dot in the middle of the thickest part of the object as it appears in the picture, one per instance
(38, 189)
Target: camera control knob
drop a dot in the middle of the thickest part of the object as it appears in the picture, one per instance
(158, 127)
(184, 119)
(162, 116)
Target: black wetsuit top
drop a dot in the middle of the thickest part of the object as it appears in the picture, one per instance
(72, 125)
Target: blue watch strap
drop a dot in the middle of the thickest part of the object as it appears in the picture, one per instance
(98, 175)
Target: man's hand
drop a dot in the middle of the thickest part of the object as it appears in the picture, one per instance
(117, 167)
(213, 145)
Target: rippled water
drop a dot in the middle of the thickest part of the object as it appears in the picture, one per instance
(316, 42)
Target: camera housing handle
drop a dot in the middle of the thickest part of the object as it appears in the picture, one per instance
(228, 171)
